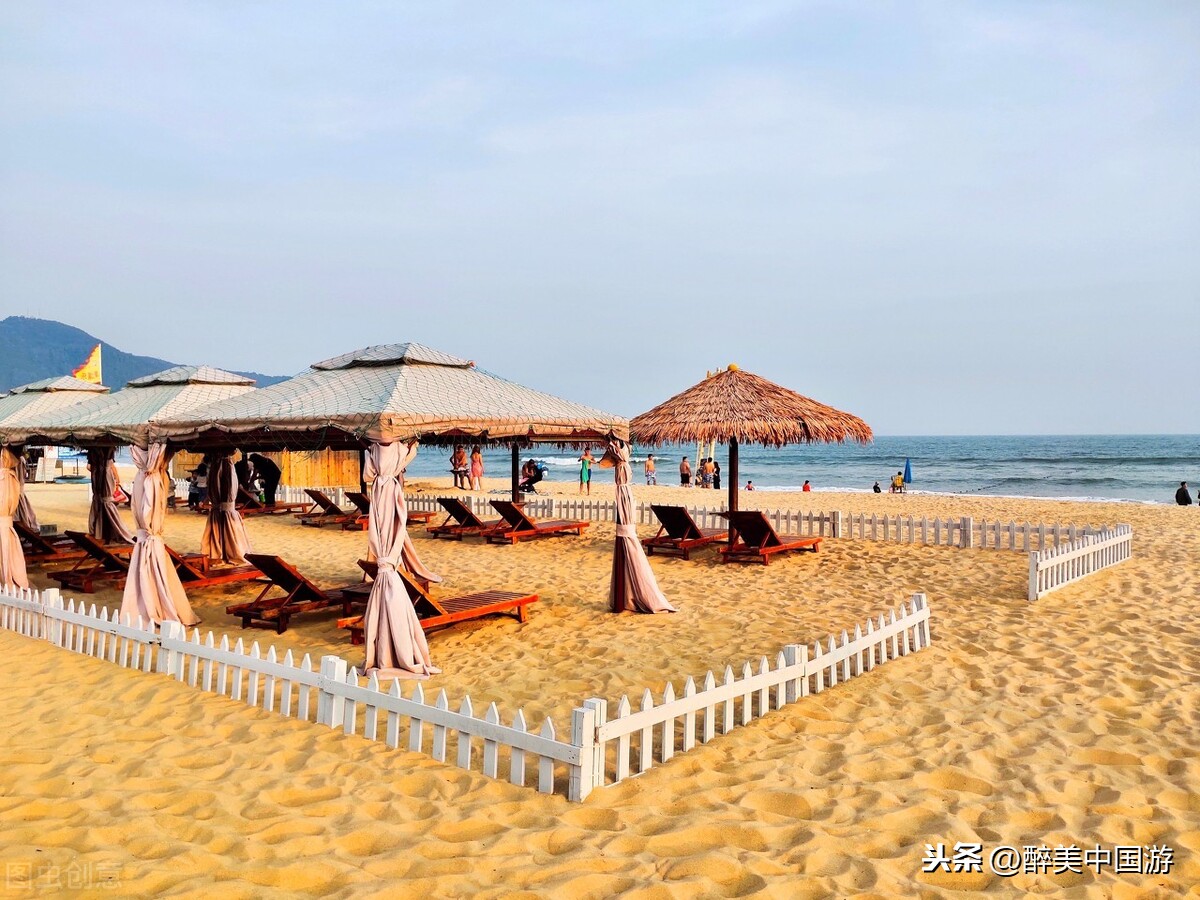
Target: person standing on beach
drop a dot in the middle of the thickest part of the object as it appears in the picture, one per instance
(651, 478)
(270, 475)
(716, 475)
(460, 467)
(685, 473)
(1182, 496)
(476, 469)
(585, 471)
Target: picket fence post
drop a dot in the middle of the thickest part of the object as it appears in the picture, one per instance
(583, 736)
(331, 707)
(967, 534)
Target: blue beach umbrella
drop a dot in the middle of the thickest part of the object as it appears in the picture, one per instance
(907, 471)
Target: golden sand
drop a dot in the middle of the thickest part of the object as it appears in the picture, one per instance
(1073, 720)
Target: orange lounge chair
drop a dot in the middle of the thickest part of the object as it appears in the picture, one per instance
(38, 548)
(362, 516)
(679, 533)
(465, 521)
(196, 571)
(756, 539)
(100, 564)
(517, 525)
(324, 511)
(443, 613)
(299, 596)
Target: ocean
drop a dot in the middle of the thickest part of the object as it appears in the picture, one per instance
(1145, 468)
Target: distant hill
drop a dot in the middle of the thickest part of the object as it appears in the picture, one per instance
(40, 348)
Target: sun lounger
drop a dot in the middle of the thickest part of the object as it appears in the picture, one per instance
(299, 596)
(679, 533)
(197, 571)
(250, 505)
(756, 539)
(461, 520)
(517, 525)
(435, 613)
(38, 548)
(100, 564)
(324, 511)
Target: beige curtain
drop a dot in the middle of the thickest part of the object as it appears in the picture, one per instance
(12, 559)
(633, 586)
(153, 590)
(25, 514)
(395, 643)
(225, 535)
(104, 521)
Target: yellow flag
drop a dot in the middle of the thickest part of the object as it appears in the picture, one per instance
(90, 370)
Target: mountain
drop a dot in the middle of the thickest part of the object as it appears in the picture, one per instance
(40, 348)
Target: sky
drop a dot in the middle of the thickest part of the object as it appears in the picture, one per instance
(944, 217)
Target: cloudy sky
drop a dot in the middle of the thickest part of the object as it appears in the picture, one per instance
(946, 217)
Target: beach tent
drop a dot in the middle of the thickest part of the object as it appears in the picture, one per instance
(47, 396)
(382, 400)
(737, 407)
(101, 425)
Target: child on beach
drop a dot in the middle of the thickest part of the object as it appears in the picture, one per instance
(476, 469)
(685, 473)
(651, 478)
(749, 485)
(585, 471)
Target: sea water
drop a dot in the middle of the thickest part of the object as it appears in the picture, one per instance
(1144, 468)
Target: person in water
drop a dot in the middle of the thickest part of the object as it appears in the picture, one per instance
(1182, 496)
(585, 471)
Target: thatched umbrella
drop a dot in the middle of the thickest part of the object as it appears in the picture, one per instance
(737, 407)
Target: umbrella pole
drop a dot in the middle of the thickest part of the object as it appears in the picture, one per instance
(733, 483)
(516, 474)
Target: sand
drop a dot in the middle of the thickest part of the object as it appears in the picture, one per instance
(1069, 721)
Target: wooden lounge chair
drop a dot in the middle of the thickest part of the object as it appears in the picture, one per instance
(442, 613)
(756, 539)
(679, 533)
(299, 596)
(100, 564)
(324, 511)
(517, 525)
(38, 548)
(462, 521)
(196, 571)
(250, 505)
(362, 515)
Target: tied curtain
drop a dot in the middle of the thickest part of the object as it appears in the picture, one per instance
(25, 514)
(12, 559)
(225, 535)
(104, 522)
(153, 591)
(633, 586)
(395, 642)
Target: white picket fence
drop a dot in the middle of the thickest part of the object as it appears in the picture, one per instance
(334, 696)
(676, 722)
(1056, 567)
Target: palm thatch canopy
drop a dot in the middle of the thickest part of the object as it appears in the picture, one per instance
(126, 416)
(48, 396)
(746, 408)
(389, 393)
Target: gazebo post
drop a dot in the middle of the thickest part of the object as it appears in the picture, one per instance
(362, 470)
(516, 473)
(733, 484)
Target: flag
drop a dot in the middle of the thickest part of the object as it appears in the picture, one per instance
(90, 370)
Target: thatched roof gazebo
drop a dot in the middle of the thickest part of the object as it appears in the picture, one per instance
(737, 407)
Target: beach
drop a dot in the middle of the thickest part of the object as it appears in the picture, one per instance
(1068, 721)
